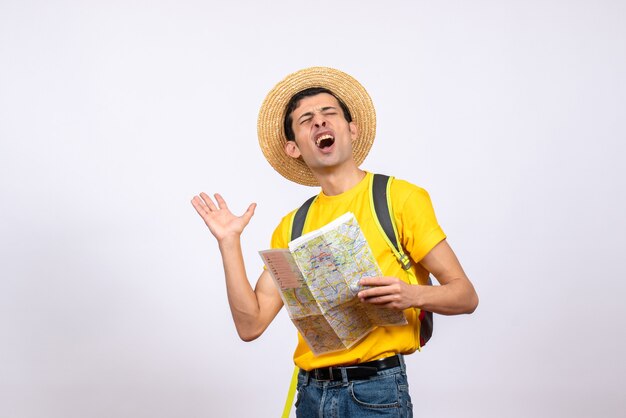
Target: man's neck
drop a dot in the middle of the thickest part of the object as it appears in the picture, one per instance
(337, 182)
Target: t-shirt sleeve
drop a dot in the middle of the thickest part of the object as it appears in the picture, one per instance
(419, 230)
(280, 236)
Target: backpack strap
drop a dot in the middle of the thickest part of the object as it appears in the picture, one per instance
(291, 393)
(297, 225)
(383, 214)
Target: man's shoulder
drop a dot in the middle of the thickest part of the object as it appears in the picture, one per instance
(280, 236)
(402, 186)
(288, 217)
(403, 192)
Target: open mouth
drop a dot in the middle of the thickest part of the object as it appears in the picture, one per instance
(325, 141)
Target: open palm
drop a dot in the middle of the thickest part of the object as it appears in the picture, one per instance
(221, 221)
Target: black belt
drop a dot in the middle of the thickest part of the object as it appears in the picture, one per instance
(361, 371)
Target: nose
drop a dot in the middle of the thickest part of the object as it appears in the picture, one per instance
(319, 120)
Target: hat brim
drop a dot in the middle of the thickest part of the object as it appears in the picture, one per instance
(270, 127)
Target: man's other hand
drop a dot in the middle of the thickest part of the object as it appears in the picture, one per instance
(388, 292)
(221, 221)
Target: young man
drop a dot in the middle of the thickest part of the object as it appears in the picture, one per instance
(315, 128)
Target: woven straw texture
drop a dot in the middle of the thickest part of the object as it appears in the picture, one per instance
(272, 114)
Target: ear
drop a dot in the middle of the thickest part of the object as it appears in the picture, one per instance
(292, 150)
(354, 131)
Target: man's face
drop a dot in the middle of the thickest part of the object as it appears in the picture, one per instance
(323, 136)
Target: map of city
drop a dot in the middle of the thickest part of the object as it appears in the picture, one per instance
(318, 278)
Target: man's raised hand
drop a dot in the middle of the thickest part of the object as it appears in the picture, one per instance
(221, 221)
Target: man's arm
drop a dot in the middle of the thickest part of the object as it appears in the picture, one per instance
(252, 309)
(456, 295)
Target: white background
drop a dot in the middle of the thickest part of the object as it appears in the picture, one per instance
(114, 114)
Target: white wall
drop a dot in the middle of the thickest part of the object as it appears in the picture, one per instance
(114, 114)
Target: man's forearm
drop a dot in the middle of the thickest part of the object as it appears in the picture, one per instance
(456, 295)
(453, 298)
(242, 299)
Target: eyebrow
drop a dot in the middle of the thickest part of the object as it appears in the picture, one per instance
(325, 108)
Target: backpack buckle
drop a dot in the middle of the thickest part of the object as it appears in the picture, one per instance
(405, 261)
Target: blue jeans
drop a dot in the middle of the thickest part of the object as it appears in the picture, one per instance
(383, 395)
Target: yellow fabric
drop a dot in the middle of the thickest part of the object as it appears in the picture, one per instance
(419, 232)
(291, 393)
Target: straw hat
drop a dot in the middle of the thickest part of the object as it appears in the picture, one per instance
(272, 115)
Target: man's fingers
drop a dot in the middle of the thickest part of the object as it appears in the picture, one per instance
(372, 293)
(381, 286)
(376, 281)
(221, 203)
(249, 212)
(199, 206)
(205, 206)
(208, 202)
(379, 300)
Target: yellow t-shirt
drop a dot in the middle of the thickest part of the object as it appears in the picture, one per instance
(419, 232)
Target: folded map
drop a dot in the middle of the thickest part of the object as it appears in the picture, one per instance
(318, 278)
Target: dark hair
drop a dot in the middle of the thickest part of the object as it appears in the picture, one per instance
(295, 101)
